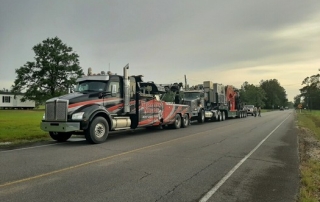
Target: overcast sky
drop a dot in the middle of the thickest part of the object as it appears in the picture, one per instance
(223, 41)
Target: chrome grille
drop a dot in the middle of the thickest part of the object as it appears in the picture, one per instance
(187, 103)
(56, 110)
(50, 110)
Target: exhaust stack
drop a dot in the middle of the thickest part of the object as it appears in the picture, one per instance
(126, 89)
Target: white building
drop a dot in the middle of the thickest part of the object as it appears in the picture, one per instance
(9, 100)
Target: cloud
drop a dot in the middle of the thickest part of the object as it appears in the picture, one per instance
(224, 41)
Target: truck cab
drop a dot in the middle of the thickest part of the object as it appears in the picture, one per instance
(196, 100)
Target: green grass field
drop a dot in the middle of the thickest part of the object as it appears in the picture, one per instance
(21, 125)
(310, 120)
(310, 168)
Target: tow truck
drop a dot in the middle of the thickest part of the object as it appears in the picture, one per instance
(109, 102)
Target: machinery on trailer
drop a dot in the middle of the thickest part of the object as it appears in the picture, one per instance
(108, 102)
(222, 101)
(214, 102)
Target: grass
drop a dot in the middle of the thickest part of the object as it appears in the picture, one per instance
(21, 126)
(310, 168)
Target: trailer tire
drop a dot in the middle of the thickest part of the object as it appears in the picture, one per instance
(60, 136)
(201, 117)
(98, 131)
(177, 122)
(185, 121)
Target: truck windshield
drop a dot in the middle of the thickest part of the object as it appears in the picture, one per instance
(91, 86)
(249, 106)
(191, 95)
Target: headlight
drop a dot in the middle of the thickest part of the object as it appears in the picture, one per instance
(77, 116)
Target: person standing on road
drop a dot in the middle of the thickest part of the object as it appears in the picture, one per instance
(255, 111)
(259, 111)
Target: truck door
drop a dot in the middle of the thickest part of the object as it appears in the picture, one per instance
(115, 87)
(202, 100)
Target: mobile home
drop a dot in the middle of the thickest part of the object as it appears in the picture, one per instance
(11, 101)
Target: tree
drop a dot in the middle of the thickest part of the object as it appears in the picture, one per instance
(275, 94)
(251, 94)
(55, 69)
(311, 91)
(4, 90)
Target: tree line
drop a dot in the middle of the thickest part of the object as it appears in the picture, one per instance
(309, 96)
(56, 67)
(268, 94)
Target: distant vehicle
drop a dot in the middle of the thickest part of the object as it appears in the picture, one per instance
(249, 109)
(281, 109)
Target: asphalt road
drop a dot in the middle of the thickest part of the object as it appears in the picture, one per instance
(248, 159)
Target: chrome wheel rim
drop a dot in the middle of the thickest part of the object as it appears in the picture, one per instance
(99, 130)
(185, 120)
(177, 121)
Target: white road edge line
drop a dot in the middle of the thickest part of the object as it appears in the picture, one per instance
(226, 177)
(25, 148)
(45, 145)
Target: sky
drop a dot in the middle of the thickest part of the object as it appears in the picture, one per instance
(226, 42)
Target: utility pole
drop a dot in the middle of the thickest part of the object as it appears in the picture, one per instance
(185, 82)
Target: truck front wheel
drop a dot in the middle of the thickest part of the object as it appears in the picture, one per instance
(60, 136)
(98, 131)
(201, 116)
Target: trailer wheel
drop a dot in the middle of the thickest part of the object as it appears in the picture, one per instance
(185, 121)
(177, 122)
(98, 131)
(60, 136)
(201, 117)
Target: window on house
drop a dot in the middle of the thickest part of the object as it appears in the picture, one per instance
(6, 99)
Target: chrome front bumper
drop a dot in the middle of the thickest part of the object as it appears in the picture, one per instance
(60, 126)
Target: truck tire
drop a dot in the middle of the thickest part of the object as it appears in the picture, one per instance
(185, 121)
(177, 122)
(98, 131)
(60, 136)
(201, 117)
(223, 116)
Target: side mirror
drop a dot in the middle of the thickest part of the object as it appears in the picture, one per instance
(103, 94)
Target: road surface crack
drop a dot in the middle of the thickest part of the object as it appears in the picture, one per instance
(146, 174)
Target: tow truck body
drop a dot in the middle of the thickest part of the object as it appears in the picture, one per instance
(103, 103)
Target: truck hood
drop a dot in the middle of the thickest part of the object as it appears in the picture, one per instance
(77, 97)
(186, 99)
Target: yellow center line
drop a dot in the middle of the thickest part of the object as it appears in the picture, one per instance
(96, 161)
(106, 158)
